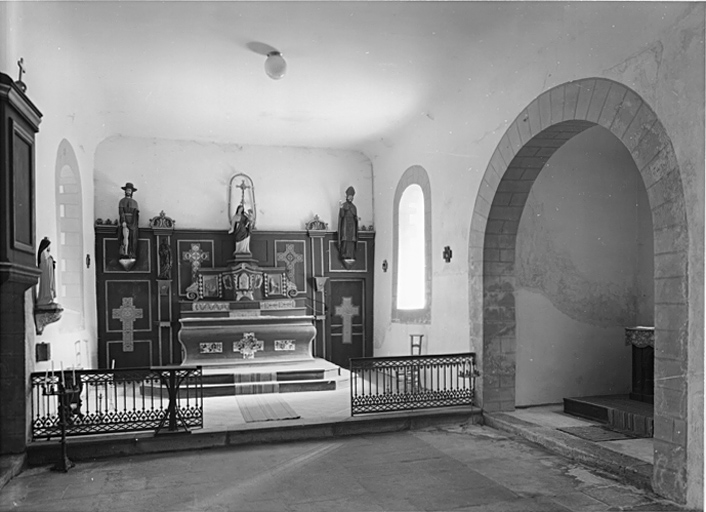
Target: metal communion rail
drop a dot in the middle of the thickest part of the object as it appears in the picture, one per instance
(118, 400)
(383, 384)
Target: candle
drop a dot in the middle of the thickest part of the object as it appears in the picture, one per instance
(46, 376)
(75, 376)
(61, 375)
(52, 370)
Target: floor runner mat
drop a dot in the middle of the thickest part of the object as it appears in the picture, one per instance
(266, 407)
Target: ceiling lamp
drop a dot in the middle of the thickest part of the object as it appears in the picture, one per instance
(275, 65)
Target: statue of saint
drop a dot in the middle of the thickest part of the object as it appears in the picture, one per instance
(165, 260)
(128, 216)
(241, 225)
(47, 265)
(348, 228)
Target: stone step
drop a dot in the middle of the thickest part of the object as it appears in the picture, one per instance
(618, 411)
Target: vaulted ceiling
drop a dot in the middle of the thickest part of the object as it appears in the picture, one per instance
(357, 71)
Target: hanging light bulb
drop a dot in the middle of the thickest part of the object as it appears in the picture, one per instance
(275, 65)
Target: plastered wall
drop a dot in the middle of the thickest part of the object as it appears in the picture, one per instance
(655, 49)
(291, 184)
(584, 272)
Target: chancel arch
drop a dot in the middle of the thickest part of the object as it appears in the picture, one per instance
(411, 221)
(552, 119)
(69, 215)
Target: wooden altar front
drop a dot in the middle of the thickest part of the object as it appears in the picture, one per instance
(244, 314)
(139, 310)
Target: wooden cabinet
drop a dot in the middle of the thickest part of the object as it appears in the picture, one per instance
(19, 122)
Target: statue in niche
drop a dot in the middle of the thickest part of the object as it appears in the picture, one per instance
(165, 260)
(348, 228)
(47, 283)
(241, 225)
(128, 217)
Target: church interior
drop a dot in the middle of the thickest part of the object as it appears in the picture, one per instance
(321, 181)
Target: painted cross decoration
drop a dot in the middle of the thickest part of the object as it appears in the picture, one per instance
(127, 313)
(347, 311)
(290, 258)
(195, 256)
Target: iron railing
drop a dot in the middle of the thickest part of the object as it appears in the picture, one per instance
(382, 384)
(118, 400)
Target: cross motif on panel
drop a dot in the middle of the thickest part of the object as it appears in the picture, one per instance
(195, 256)
(347, 311)
(290, 258)
(127, 314)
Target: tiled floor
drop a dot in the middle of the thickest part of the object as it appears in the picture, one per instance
(461, 468)
(223, 413)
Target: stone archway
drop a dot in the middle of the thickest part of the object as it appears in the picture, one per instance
(546, 124)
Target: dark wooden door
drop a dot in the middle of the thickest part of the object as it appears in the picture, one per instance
(347, 320)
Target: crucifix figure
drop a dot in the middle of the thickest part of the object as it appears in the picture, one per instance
(127, 314)
(243, 187)
(195, 256)
(347, 311)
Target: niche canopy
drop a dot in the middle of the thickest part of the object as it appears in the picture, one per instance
(241, 190)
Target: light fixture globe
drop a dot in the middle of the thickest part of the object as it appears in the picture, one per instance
(275, 65)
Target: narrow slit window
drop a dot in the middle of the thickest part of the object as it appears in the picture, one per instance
(411, 272)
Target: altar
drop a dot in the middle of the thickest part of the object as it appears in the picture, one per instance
(244, 314)
(224, 334)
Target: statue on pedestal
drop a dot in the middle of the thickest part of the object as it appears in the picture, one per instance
(348, 228)
(128, 217)
(241, 225)
(47, 265)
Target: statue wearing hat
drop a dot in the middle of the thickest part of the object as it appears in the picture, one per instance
(348, 228)
(128, 217)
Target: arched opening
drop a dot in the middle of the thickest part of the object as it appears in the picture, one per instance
(70, 253)
(552, 119)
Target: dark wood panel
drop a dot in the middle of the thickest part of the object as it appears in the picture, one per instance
(295, 252)
(22, 190)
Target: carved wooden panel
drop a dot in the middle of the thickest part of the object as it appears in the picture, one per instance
(347, 311)
(291, 254)
(22, 190)
(361, 258)
(139, 293)
(192, 254)
(111, 252)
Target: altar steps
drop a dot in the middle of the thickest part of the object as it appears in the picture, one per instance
(282, 381)
(617, 411)
(258, 378)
